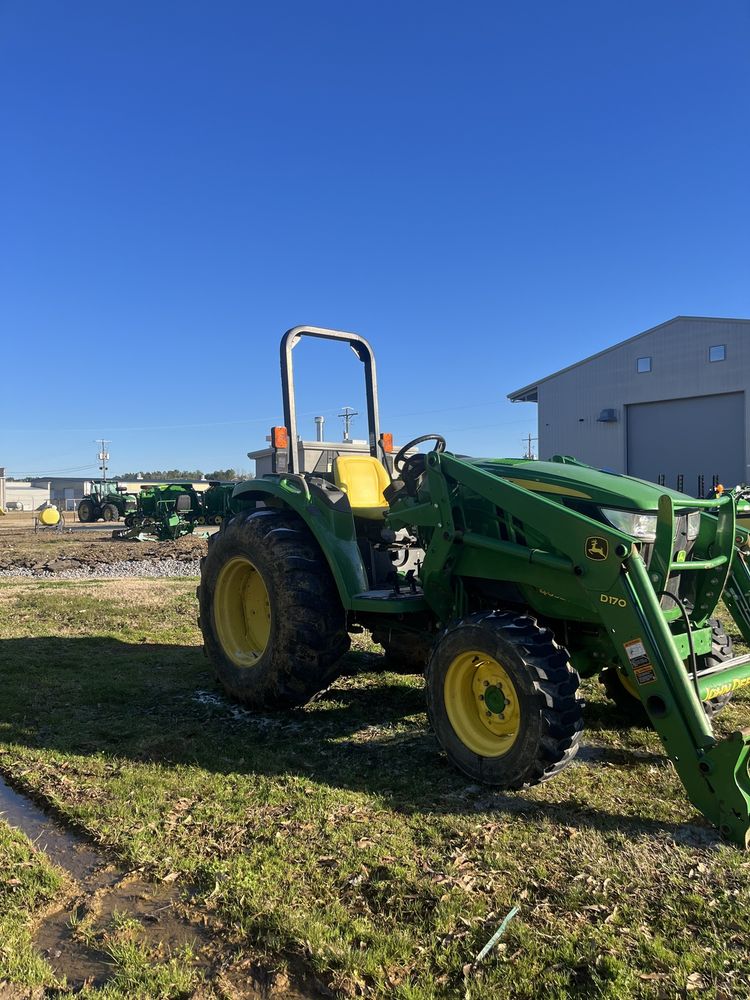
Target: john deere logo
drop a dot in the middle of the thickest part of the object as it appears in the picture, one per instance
(597, 548)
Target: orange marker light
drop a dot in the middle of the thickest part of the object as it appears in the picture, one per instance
(279, 437)
(387, 442)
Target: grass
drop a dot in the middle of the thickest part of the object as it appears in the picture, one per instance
(339, 836)
(27, 885)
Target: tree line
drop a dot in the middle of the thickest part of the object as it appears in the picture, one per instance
(194, 475)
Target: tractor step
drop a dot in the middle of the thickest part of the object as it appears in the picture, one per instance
(387, 599)
(389, 594)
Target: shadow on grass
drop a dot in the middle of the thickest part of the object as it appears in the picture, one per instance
(147, 702)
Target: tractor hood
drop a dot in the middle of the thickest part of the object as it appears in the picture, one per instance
(566, 479)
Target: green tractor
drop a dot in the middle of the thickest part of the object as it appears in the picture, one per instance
(506, 580)
(105, 502)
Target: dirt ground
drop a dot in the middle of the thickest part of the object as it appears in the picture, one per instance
(82, 545)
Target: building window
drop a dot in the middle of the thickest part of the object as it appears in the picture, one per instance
(643, 364)
(717, 353)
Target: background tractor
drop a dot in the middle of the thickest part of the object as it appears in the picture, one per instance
(105, 502)
(507, 579)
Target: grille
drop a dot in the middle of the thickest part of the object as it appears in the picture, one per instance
(681, 585)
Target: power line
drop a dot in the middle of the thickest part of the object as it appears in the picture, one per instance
(348, 414)
(529, 446)
(255, 420)
(52, 472)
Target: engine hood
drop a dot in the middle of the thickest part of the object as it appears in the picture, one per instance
(569, 480)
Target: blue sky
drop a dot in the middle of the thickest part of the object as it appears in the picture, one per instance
(487, 191)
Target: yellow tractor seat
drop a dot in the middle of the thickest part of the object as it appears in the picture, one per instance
(363, 479)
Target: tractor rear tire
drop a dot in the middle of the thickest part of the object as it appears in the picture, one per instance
(503, 700)
(632, 708)
(404, 653)
(273, 624)
(86, 511)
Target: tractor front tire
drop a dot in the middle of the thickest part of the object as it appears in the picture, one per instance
(722, 649)
(273, 624)
(503, 700)
(110, 512)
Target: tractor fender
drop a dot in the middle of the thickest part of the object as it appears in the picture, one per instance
(332, 529)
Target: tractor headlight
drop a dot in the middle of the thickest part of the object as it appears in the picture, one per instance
(693, 525)
(640, 525)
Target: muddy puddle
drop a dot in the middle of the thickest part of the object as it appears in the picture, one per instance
(108, 907)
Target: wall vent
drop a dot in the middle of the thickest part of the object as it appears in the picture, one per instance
(607, 417)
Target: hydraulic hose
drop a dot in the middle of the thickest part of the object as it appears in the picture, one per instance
(691, 645)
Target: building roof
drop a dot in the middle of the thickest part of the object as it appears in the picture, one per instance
(528, 393)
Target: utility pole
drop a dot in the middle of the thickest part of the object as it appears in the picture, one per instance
(103, 457)
(348, 415)
(529, 448)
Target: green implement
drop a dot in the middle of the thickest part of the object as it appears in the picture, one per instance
(167, 511)
(504, 580)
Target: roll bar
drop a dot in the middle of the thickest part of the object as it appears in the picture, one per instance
(365, 354)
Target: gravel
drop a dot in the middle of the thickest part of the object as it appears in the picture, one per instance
(106, 571)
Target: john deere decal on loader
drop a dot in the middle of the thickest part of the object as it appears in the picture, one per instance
(505, 580)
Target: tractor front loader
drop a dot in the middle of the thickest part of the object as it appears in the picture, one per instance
(508, 580)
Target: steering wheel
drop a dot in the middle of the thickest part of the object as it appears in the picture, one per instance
(402, 459)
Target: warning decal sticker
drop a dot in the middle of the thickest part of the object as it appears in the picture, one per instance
(639, 661)
(636, 652)
(644, 674)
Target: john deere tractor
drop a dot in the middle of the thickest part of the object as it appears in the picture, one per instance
(105, 501)
(507, 579)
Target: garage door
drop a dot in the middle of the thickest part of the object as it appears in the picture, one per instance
(702, 435)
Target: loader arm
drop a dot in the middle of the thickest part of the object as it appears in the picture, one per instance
(594, 565)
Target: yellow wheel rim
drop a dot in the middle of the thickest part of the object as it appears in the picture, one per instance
(482, 704)
(628, 685)
(242, 612)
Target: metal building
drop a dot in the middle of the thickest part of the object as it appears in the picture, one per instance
(66, 492)
(22, 495)
(670, 402)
